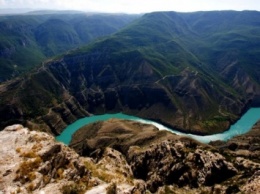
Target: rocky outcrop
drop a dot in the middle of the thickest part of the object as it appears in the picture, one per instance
(252, 185)
(246, 145)
(139, 159)
(114, 161)
(166, 161)
(111, 167)
(245, 153)
(32, 162)
(50, 114)
(177, 162)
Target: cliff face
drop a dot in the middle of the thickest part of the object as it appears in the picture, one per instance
(161, 67)
(48, 108)
(32, 161)
(246, 145)
(139, 159)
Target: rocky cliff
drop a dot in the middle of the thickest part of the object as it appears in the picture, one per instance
(33, 162)
(161, 158)
(128, 158)
(246, 145)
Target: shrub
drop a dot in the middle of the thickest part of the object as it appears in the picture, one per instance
(18, 150)
(46, 179)
(72, 189)
(26, 169)
(111, 189)
(99, 172)
(30, 187)
(30, 154)
(60, 173)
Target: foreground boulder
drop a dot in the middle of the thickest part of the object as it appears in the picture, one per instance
(32, 161)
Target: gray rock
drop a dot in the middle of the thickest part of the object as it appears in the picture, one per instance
(33, 161)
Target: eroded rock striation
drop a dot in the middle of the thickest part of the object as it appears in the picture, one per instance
(187, 71)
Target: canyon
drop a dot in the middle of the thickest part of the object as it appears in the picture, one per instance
(126, 157)
(174, 68)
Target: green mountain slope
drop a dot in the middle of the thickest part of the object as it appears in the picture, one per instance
(27, 40)
(186, 70)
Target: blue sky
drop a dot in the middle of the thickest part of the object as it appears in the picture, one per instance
(133, 6)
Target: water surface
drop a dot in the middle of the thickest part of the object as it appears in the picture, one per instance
(243, 125)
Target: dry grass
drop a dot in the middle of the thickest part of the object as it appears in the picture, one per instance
(46, 179)
(105, 175)
(37, 138)
(60, 173)
(74, 189)
(30, 154)
(111, 189)
(25, 172)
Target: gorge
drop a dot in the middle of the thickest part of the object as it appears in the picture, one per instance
(114, 82)
(163, 65)
(243, 125)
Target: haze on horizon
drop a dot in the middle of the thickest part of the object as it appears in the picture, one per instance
(131, 6)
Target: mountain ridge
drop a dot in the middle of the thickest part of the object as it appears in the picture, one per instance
(154, 68)
(28, 40)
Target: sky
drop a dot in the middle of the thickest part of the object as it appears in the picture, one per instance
(133, 6)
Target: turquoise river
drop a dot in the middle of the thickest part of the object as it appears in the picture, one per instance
(243, 125)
